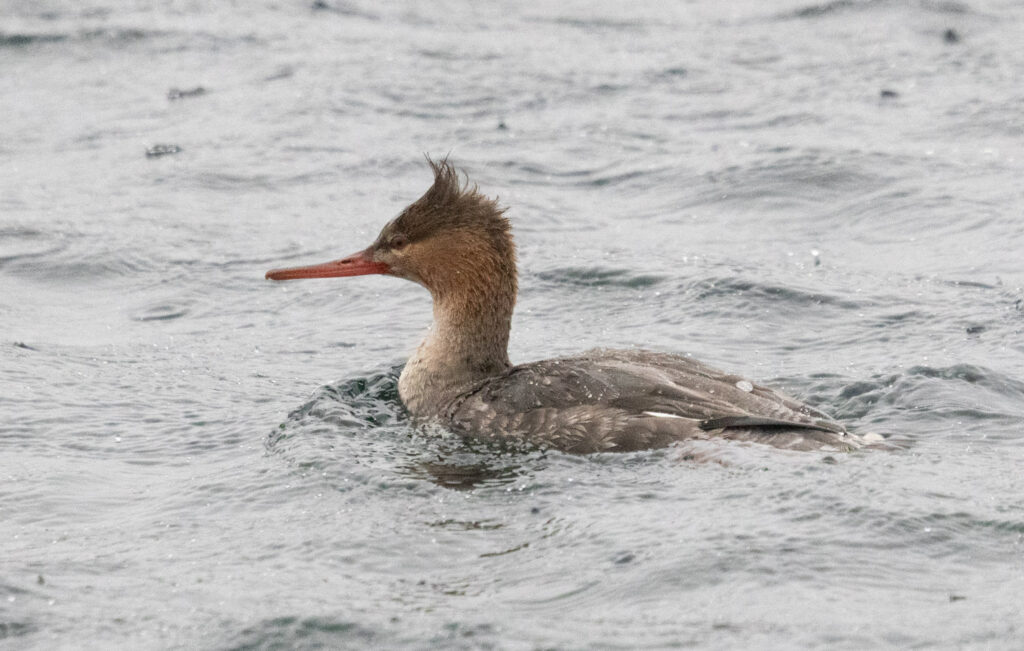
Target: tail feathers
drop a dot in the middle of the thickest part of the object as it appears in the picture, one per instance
(760, 421)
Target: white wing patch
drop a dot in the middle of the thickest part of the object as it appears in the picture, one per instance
(661, 414)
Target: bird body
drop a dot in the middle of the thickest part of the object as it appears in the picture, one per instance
(458, 244)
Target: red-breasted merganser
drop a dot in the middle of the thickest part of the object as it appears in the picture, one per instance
(458, 244)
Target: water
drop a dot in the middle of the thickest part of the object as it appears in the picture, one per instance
(823, 196)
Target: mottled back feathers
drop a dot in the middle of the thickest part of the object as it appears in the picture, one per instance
(619, 400)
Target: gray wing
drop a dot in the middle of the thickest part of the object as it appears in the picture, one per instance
(633, 399)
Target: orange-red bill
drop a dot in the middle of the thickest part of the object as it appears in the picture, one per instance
(358, 264)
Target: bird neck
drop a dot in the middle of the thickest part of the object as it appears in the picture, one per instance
(468, 340)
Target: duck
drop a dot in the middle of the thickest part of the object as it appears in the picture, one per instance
(458, 244)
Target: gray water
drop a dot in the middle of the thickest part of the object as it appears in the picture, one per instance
(824, 197)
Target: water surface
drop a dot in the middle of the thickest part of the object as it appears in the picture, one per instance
(822, 196)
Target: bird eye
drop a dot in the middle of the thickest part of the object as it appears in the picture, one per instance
(398, 242)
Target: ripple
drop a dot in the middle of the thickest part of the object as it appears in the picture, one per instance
(346, 429)
(308, 632)
(344, 8)
(842, 7)
(161, 313)
(24, 232)
(19, 243)
(14, 40)
(63, 265)
(960, 392)
(593, 24)
(156, 151)
(361, 425)
(15, 629)
(599, 277)
(121, 36)
(175, 94)
(460, 465)
(989, 379)
(810, 177)
(711, 288)
(833, 7)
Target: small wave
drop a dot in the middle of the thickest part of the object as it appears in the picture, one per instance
(117, 37)
(599, 277)
(359, 430)
(175, 94)
(25, 40)
(942, 527)
(331, 433)
(309, 632)
(19, 243)
(361, 403)
(963, 394)
(121, 36)
(616, 179)
(467, 465)
(257, 182)
(156, 151)
(838, 7)
(161, 312)
(16, 629)
(283, 72)
(10, 627)
(711, 288)
(594, 24)
(675, 72)
(832, 8)
(343, 8)
(24, 232)
(813, 176)
(596, 177)
(987, 378)
(50, 266)
(457, 55)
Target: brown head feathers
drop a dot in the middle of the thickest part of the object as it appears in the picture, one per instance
(453, 204)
